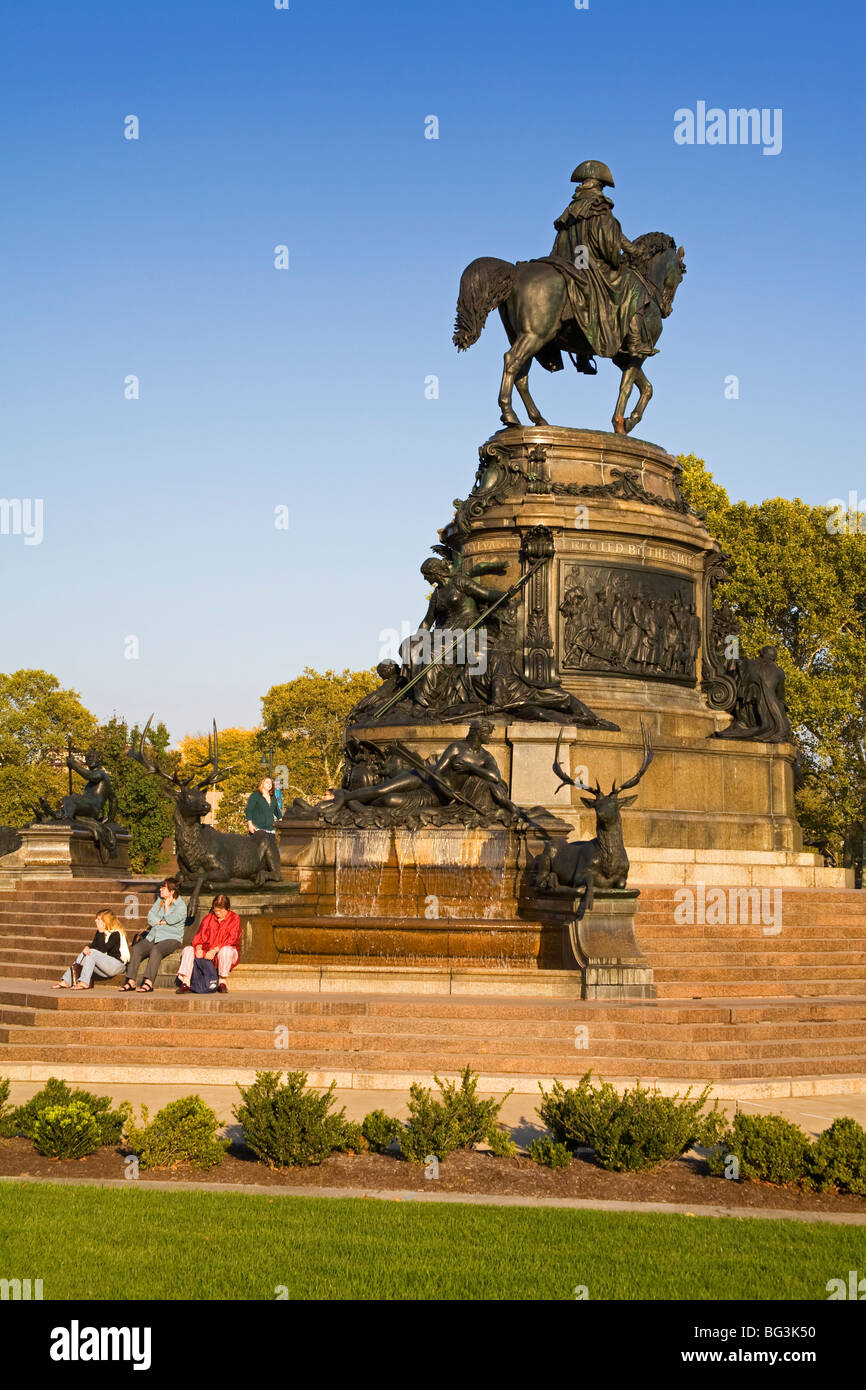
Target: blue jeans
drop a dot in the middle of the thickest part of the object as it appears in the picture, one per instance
(94, 962)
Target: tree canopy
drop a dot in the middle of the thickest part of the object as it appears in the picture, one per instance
(800, 584)
(36, 717)
(304, 721)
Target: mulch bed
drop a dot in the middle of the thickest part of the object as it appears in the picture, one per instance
(683, 1180)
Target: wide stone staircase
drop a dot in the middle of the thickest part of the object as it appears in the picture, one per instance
(45, 922)
(768, 1004)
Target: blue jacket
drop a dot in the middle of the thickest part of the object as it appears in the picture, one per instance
(166, 923)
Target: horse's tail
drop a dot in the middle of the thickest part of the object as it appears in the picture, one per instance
(483, 286)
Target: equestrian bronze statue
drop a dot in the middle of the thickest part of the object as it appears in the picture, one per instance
(596, 295)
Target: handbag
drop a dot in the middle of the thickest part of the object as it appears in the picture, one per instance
(205, 977)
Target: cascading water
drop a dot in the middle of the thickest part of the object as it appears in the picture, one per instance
(362, 856)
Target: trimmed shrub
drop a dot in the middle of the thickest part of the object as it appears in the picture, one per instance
(632, 1132)
(66, 1131)
(287, 1125)
(768, 1148)
(476, 1119)
(458, 1121)
(501, 1143)
(574, 1116)
(838, 1157)
(547, 1152)
(56, 1092)
(431, 1128)
(380, 1130)
(352, 1140)
(6, 1127)
(184, 1131)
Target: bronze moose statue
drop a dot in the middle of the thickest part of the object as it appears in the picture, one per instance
(598, 863)
(207, 856)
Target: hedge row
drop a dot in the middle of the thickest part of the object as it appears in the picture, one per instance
(287, 1124)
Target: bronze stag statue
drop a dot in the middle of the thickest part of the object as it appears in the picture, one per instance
(597, 293)
(598, 863)
(208, 857)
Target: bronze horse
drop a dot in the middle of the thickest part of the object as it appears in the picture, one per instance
(534, 304)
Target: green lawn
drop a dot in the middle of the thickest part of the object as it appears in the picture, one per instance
(93, 1243)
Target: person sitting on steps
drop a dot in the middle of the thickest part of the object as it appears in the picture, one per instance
(106, 955)
(166, 921)
(218, 938)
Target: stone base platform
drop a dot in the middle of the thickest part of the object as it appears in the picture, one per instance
(736, 867)
(408, 980)
(63, 851)
(702, 795)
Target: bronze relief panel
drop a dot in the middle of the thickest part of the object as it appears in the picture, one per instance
(628, 622)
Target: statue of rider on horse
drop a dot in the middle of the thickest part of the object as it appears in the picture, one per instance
(596, 294)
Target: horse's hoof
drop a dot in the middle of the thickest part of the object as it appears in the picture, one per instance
(619, 425)
(540, 420)
(510, 421)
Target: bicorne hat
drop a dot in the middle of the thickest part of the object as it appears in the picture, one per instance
(593, 169)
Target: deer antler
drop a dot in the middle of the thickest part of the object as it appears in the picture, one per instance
(648, 755)
(564, 779)
(139, 756)
(213, 757)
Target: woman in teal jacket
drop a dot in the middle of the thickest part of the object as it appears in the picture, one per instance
(262, 808)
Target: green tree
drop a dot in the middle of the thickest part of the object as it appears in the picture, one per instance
(36, 717)
(800, 584)
(304, 721)
(143, 806)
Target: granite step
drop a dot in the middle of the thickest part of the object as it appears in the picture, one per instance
(152, 1045)
(512, 1063)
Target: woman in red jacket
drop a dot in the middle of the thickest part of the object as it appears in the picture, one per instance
(218, 938)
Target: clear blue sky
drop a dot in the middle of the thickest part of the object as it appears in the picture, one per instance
(305, 388)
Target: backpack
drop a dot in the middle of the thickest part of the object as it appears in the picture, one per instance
(205, 977)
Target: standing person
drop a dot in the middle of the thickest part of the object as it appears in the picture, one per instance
(262, 808)
(218, 938)
(106, 955)
(166, 921)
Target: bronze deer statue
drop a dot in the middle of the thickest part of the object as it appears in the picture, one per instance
(598, 863)
(204, 855)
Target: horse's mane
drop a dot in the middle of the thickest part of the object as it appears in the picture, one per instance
(647, 246)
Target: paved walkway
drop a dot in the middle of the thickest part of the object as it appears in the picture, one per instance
(845, 1218)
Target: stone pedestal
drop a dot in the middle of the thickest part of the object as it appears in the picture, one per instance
(63, 851)
(602, 944)
(624, 540)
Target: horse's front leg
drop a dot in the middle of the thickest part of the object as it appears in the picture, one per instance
(625, 389)
(646, 391)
